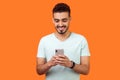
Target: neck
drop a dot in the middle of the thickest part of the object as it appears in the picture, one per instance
(62, 37)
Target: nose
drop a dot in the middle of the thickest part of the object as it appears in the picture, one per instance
(60, 23)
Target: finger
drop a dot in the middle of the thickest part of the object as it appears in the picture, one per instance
(60, 62)
(55, 56)
(62, 56)
(60, 59)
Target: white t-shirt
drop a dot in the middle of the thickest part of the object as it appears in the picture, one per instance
(74, 47)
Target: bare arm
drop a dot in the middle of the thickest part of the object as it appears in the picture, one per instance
(83, 67)
(43, 66)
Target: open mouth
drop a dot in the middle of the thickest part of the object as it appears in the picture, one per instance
(61, 28)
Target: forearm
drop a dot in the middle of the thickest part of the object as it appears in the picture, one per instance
(82, 69)
(43, 68)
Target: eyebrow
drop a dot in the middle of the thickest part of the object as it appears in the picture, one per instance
(60, 19)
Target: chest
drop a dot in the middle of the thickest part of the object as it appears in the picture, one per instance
(71, 49)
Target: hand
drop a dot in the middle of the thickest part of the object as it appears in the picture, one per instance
(63, 60)
(52, 62)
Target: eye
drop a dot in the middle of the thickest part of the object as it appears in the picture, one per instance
(64, 20)
(56, 20)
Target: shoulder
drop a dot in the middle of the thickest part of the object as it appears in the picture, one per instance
(78, 36)
(47, 37)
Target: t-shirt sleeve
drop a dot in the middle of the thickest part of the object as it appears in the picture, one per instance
(41, 50)
(84, 48)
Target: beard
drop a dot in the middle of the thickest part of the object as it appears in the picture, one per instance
(61, 31)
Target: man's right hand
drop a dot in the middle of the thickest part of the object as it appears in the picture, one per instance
(52, 61)
(43, 66)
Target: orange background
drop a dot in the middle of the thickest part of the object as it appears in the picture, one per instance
(24, 22)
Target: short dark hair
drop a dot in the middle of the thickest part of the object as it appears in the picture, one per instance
(61, 7)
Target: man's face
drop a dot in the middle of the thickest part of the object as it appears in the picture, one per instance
(61, 21)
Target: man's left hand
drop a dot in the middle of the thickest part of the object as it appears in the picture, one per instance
(63, 60)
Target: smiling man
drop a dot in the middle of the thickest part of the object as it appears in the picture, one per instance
(63, 55)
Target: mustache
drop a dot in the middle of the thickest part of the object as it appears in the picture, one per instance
(61, 26)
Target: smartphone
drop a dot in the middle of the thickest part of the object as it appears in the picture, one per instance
(59, 51)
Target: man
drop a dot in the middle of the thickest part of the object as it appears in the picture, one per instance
(62, 55)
